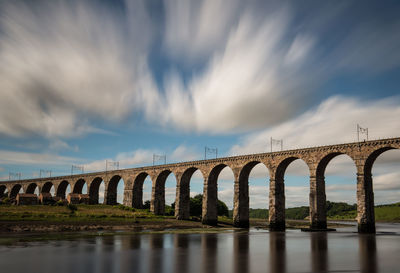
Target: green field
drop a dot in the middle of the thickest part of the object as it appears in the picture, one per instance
(82, 213)
(335, 211)
(105, 213)
(384, 213)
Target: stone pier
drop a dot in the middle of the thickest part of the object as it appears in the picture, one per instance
(276, 205)
(317, 203)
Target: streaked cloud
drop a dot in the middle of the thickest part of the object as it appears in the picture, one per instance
(23, 158)
(142, 157)
(332, 122)
(249, 66)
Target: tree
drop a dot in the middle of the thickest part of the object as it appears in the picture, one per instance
(222, 209)
(146, 204)
(196, 204)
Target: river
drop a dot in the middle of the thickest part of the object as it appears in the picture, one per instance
(252, 251)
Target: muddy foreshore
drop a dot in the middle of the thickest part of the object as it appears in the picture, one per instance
(7, 227)
(53, 226)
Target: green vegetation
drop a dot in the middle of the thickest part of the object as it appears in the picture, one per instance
(254, 213)
(389, 213)
(5, 201)
(335, 211)
(196, 206)
(73, 213)
(72, 208)
(59, 212)
(93, 213)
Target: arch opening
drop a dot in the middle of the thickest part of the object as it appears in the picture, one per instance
(365, 193)
(383, 166)
(295, 175)
(258, 181)
(63, 189)
(142, 191)
(3, 192)
(340, 186)
(48, 187)
(159, 193)
(114, 191)
(96, 191)
(189, 203)
(32, 188)
(339, 173)
(15, 190)
(290, 193)
(80, 187)
(170, 185)
(241, 203)
(219, 186)
(184, 206)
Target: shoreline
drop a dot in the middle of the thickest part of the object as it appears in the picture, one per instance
(26, 226)
(20, 232)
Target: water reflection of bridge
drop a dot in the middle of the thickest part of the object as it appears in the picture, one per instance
(363, 154)
(210, 253)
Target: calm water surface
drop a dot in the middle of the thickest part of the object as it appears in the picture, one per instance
(253, 251)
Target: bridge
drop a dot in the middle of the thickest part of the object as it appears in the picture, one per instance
(363, 154)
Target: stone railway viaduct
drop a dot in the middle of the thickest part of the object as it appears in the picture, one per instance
(317, 158)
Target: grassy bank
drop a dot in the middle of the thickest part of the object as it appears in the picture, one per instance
(41, 218)
(335, 211)
(66, 214)
(383, 213)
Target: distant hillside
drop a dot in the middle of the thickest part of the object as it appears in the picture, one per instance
(335, 211)
(390, 213)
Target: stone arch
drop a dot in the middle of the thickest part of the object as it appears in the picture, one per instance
(210, 195)
(241, 195)
(277, 193)
(365, 192)
(317, 197)
(323, 163)
(157, 205)
(31, 188)
(137, 198)
(61, 189)
(78, 186)
(93, 190)
(15, 190)
(284, 164)
(111, 190)
(46, 188)
(3, 190)
(369, 162)
(182, 203)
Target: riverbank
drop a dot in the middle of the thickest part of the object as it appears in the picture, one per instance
(39, 218)
(85, 218)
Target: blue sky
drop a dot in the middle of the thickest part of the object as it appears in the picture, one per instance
(83, 82)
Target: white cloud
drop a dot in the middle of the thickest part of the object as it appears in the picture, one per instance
(63, 66)
(299, 49)
(69, 65)
(170, 194)
(22, 158)
(333, 121)
(195, 29)
(387, 182)
(183, 153)
(57, 145)
(244, 85)
(142, 157)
